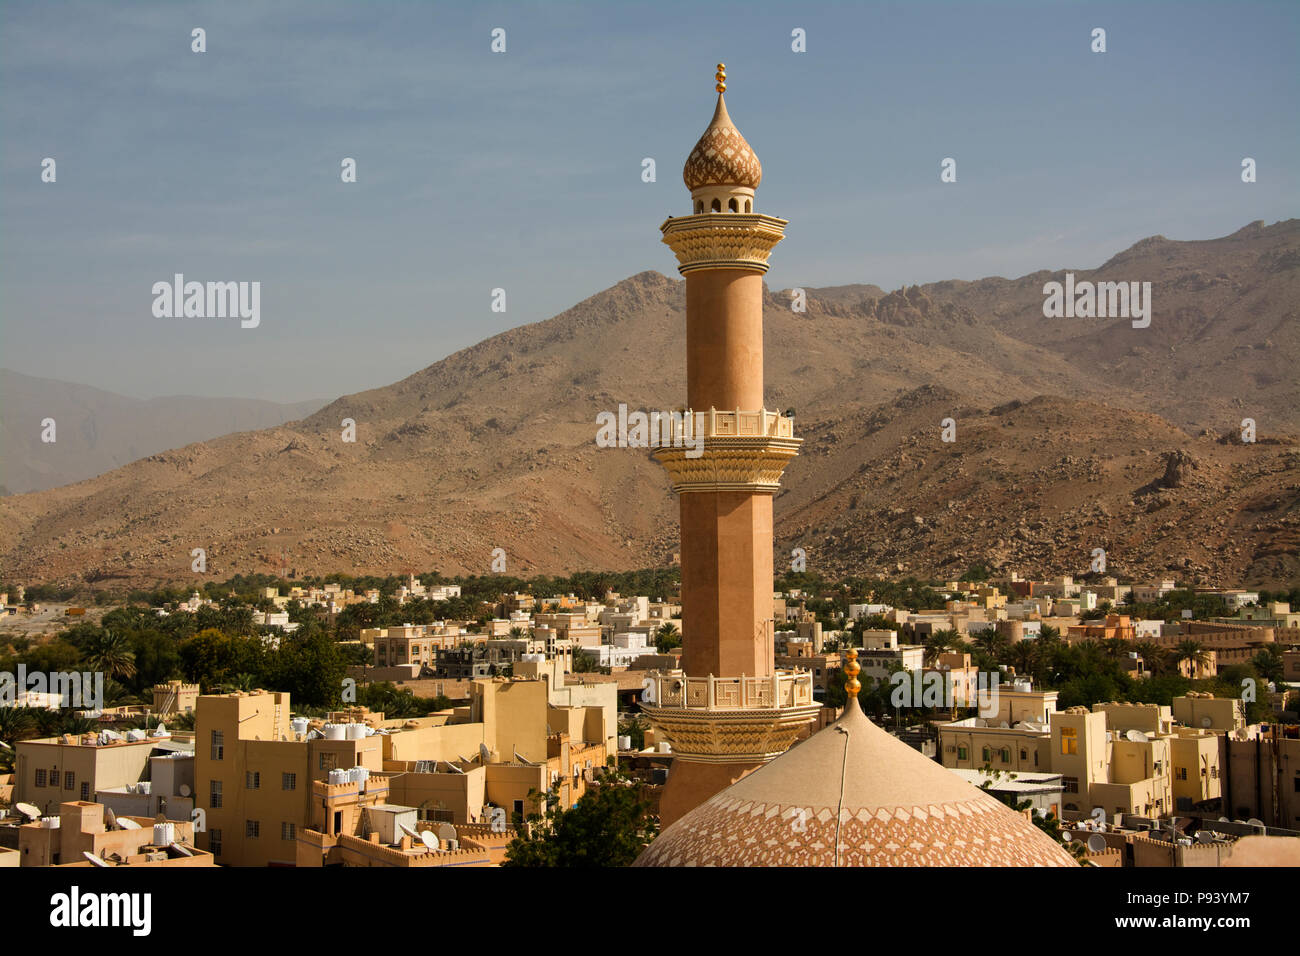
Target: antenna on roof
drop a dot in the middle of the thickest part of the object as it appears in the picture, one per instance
(126, 823)
(1096, 843)
(95, 861)
(183, 851)
(429, 840)
(29, 811)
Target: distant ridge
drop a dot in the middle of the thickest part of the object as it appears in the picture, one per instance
(1064, 432)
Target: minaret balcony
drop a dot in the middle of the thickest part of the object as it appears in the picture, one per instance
(725, 719)
(731, 450)
(723, 240)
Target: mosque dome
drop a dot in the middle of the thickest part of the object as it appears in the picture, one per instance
(722, 172)
(895, 806)
(722, 157)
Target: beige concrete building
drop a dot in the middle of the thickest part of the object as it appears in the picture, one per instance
(52, 770)
(80, 828)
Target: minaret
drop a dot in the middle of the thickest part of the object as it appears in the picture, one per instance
(727, 712)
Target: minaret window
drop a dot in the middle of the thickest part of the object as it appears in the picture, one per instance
(699, 205)
(717, 205)
(732, 206)
(748, 206)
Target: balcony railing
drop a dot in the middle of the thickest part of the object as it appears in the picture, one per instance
(782, 689)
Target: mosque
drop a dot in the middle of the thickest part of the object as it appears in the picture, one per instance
(740, 792)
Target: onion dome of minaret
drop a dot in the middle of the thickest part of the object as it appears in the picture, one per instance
(853, 795)
(722, 157)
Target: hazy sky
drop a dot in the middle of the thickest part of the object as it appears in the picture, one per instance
(522, 170)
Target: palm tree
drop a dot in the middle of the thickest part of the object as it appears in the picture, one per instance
(1193, 652)
(993, 644)
(111, 654)
(1024, 656)
(941, 642)
(16, 723)
(1268, 664)
(666, 637)
(1154, 656)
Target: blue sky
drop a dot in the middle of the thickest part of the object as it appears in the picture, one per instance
(522, 170)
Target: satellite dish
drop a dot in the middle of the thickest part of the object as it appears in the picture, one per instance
(1206, 721)
(96, 861)
(183, 851)
(1136, 736)
(29, 811)
(126, 823)
(1204, 836)
(446, 831)
(429, 840)
(1224, 820)
(1096, 843)
(184, 789)
(110, 818)
(1255, 822)
(484, 752)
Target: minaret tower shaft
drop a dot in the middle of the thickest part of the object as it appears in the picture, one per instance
(727, 712)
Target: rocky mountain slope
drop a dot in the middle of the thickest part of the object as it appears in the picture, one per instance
(1071, 434)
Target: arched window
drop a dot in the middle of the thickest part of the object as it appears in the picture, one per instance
(699, 205)
(733, 206)
(748, 206)
(717, 206)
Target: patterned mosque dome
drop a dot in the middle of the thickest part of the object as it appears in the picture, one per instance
(856, 786)
(722, 157)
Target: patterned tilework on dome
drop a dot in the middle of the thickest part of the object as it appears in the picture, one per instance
(722, 157)
(727, 831)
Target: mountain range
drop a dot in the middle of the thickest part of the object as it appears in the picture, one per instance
(1071, 435)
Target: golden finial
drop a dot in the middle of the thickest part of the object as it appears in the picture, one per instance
(852, 668)
(721, 76)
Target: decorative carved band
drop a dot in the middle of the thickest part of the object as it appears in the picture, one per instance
(730, 736)
(723, 240)
(729, 464)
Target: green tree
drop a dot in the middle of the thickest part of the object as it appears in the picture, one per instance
(667, 637)
(609, 826)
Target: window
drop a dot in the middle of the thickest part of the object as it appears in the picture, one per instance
(253, 780)
(749, 205)
(1069, 740)
(328, 761)
(1182, 773)
(986, 755)
(214, 794)
(288, 781)
(214, 841)
(1071, 784)
(252, 828)
(961, 753)
(85, 791)
(717, 206)
(69, 780)
(218, 745)
(733, 206)
(40, 778)
(1024, 754)
(286, 831)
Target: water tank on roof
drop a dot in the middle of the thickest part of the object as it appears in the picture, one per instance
(164, 834)
(356, 731)
(338, 776)
(134, 735)
(299, 725)
(625, 743)
(336, 732)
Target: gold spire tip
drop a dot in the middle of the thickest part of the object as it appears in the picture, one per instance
(851, 670)
(721, 77)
